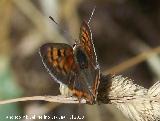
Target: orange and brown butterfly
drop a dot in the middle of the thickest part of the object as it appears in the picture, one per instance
(74, 67)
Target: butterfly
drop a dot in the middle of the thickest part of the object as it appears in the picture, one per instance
(74, 67)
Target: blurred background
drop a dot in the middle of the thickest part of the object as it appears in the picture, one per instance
(122, 29)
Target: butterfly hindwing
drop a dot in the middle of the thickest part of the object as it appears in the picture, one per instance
(59, 60)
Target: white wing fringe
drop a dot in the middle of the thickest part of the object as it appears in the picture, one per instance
(136, 102)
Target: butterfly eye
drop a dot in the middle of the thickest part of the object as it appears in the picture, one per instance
(82, 59)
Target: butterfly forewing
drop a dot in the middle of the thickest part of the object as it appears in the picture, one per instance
(86, 40)
(58, 58)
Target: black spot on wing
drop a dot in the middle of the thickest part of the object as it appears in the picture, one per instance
(82, 59)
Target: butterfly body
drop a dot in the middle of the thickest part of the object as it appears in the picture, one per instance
(76, 67)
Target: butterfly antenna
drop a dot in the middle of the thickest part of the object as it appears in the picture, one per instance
(53, 20)
(61, 28)
(92, 14)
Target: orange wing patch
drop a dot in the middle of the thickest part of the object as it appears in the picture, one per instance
(80, 94)
(55, 53)
(86, 41)
(61, 59)
(69, 61)
(49, 56)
